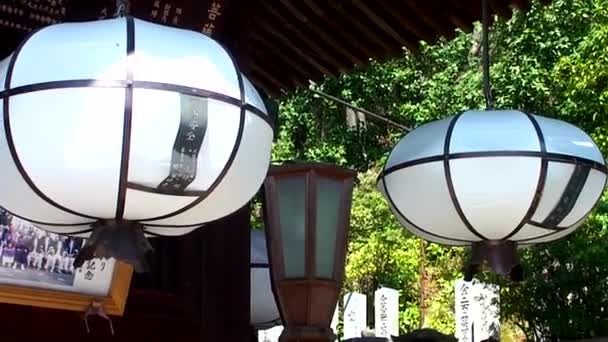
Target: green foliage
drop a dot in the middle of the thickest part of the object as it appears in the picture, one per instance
(381, 257)
(551, 61)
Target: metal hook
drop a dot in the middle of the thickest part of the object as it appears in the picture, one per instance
(122, 8)
(96, 309)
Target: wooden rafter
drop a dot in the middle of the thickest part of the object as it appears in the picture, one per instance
(384, 26)
(501, 7)
(332, 26)
(422, 30)
(325, 36)
(283, 44)
(288, 42)
(297, 31)
(360, 28)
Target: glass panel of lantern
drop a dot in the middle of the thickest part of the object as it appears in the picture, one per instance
(328, 194)
(307, 212)
(122, 119)
(493, 176)
(292, 198)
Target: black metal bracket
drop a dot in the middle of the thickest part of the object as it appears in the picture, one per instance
(96, 309)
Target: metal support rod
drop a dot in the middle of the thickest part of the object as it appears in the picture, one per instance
(422, 282)
(373, 115)
(487, 87)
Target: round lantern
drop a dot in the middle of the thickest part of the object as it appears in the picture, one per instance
(123, 120)
(494, 180)
(264, 313)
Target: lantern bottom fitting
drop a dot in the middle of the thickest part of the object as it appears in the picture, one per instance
(123, 240)
(307, 334)
(501, 257)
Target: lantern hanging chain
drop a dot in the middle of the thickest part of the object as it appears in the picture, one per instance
(122, 8)
(487, 86)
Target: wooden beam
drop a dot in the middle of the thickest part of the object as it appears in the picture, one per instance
(421, 29)
(297, 67)
(386, 27)
(463, 24)
(522, 5)
(316, 9)
(296, 50)
(362, 30)
(226, 278)
(311, 25)
(463, 14)
(356, 42)
(267, 86)
(501, 7)
(262, 70)
(439, 23)
(305, 36)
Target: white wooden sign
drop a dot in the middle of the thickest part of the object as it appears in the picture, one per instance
(355, 314)
(386, 308)
(477, 311)
(335, 319)
(270, 335)
(463, 292)
(486, 311)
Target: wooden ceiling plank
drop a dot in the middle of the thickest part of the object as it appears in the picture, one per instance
(296, 50)
(462, 24)
(383, 25)
(463, 13)
(355, 42)
(501, 8)
(301, 70)
(259, 70)
(321, 52)
(522, 5)
(424, 31)
(364, 31)
(316, 9)
(438, 23)
(323, 35)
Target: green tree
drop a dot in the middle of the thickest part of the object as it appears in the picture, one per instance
(551, 61)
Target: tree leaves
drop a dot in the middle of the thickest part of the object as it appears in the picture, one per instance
(552, 61)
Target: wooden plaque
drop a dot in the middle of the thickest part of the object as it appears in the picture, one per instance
(114, 302)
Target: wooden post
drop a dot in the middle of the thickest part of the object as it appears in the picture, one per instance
(226, 279)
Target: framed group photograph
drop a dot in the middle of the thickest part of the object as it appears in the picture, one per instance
(36, 269)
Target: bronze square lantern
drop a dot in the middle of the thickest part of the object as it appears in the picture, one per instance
(307, 212)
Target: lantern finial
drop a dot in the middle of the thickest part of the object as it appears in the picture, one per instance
(500, 256)
(122, 240)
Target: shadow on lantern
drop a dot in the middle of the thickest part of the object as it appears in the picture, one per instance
(307, 216)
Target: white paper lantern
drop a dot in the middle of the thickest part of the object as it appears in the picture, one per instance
(493, 175)
(263, 312)
(123, 119)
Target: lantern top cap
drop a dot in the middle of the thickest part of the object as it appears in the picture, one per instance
(291, 167)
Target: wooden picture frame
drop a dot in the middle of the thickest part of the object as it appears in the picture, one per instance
(114, 303)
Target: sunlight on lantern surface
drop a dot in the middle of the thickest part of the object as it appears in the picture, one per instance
(68, 130)
(493, 175)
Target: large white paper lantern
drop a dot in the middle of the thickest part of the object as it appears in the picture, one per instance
(263, 311)
(493, 176)
(123, 119)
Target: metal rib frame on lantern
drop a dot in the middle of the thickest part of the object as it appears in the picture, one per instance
(581, 168)
(129, 84)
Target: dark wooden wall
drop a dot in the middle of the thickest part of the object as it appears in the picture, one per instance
(198, 291)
